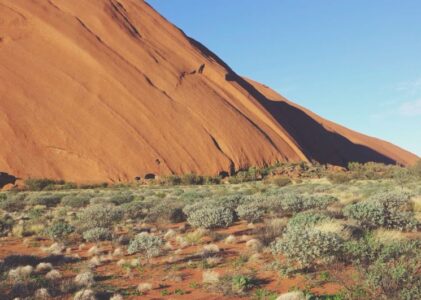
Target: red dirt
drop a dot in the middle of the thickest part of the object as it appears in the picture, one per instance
(106, 90)
(158, 269)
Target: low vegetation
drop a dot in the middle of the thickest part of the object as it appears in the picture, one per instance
(316, 232)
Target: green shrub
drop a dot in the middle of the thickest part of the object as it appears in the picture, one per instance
(59, 230)
(36, 212)
(99, 216)
(166, 212)
(171, 180)
(135, 210)
(308, 247)
(339, 178)
(39, 184)
(366, 250)
(384, 210)
(122, 198)
(212, 180)
(391, 269)
(318, 201)
(13, 203)
(251, 212)
(292, 203)
(75, 201)
(233, 201)
(6, 224)
(97, 234)
(242, 283)
(306, 219)
(45, 199)
(148, 244)
(397, 279)
(211, 217)
(192, 179)
(416, 169)
(235, 285)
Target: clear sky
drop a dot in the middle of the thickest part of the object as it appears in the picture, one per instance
(355, 62)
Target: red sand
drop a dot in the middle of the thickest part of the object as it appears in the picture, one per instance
(106, 90)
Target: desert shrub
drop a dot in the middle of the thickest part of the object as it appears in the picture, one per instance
(59, 230)
(212, 180)
(287, 203)
(191, 208)
(6, 224)
(36, 212)
(291, 203)
(122, 198)
(211, 217)
(318, 201)
(148, 244)
(97, 234)
(390, 269)
(13, 203)
(371, 170)
(192, 179)
(99, 216)
(279, 181)
(384, 210)
(234, 285)
(166, 212)
(308, 247)
(366, 250)
(101, 185)
(251, 212)
(75, 201)
(45, 199)
(271, 230)
(397, 279)
(135, 210)
(339, 178)
(306, 219)
(171, 180)
(233, 201)
(39, 184)
(416, 169)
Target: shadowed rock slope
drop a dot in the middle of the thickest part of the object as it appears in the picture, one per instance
(106, 90)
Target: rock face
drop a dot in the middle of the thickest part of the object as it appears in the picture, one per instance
(107, 90)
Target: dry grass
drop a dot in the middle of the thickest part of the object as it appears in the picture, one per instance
(386, 236)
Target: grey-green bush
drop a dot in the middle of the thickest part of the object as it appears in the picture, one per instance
(390, 210)
(148, 244)
(97, 234)
(6, 224)
(398, 279)
(75, 201)
(45, 199)
(166, 211)
(251, 212)
(306, 219)
(59, 230)
(13, 203)
(308, 247)
(135, 210)
(99, 216)
(211, 217)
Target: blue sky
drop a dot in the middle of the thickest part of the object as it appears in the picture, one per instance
(355, 62)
